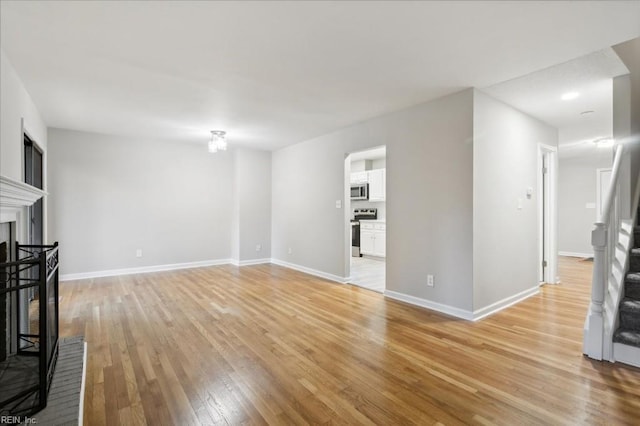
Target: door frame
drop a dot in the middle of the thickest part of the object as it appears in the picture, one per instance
(547, 214)
(347, 207)
(599, 194)
(25, 233)
(346, 204)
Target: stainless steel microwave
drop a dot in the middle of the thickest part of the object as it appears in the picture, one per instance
(359, 191)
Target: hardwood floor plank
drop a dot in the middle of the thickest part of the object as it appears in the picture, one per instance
(268, 345)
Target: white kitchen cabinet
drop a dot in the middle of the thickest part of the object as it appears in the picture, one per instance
(377, 184)
(359, 177)
(373, 238)
(380, 244)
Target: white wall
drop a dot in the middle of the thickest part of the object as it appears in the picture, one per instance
(626, 114)
(252, 204)
(429, 199)
(111, 195)
(505, 238)
(15, 105)
(577, 188)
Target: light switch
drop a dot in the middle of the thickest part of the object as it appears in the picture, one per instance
(519, 203)
(338, 204)
(591, 205)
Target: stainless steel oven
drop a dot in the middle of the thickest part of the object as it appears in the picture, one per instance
(358, 215)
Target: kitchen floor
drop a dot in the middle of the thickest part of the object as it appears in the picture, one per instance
(368, 273)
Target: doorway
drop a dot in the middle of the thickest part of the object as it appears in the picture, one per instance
(547, 213)
(34, 176)
(365, 175)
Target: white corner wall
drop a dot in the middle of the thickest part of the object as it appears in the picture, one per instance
(111, 195)
(626, 114)
(252, 206)
(428, 209)
(19, 114)
(505, 238)
(15, 106)
(577, 189)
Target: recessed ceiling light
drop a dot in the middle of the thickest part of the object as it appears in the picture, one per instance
(569, 96)
(587, 112)
(604, 142)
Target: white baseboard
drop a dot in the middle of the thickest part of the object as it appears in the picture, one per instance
(505, 303)
(574, 254)
(462, 313)
(310, 271)
(626, 354)
(175, 266)
(434, 306)
(142, 270)
(249, 262)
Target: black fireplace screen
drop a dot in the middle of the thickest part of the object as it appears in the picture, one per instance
(29, 290)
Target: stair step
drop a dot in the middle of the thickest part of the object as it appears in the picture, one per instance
(632, 289)
(627, 337)
(634, 260)
(630, 314)
(633, 277)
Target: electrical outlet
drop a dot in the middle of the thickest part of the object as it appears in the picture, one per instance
(258, 247)
(290, 251)
(139, 253)
(430, 280)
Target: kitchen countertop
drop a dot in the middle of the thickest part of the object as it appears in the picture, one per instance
(373, 220)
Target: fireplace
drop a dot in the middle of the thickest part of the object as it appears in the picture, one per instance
(7, 241)
(28, 306)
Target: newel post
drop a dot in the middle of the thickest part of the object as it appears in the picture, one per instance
(593, 347)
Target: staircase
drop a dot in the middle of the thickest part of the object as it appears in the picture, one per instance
(612, 326)
(626, 339)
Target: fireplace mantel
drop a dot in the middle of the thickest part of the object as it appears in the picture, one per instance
(14, 196)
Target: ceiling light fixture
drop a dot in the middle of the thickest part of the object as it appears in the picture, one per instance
(604, 142)
(569, 96)
(218, 141)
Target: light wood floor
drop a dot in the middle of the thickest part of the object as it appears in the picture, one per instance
(264, 344)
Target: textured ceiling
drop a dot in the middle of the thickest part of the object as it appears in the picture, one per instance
(581, 120)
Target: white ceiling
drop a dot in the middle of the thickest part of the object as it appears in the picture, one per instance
(539, 94)
(370, 154)
(275, 73)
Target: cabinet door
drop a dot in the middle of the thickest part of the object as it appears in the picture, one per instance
(359, 177)
(380, 245)
(367, 239)
(376, 185)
